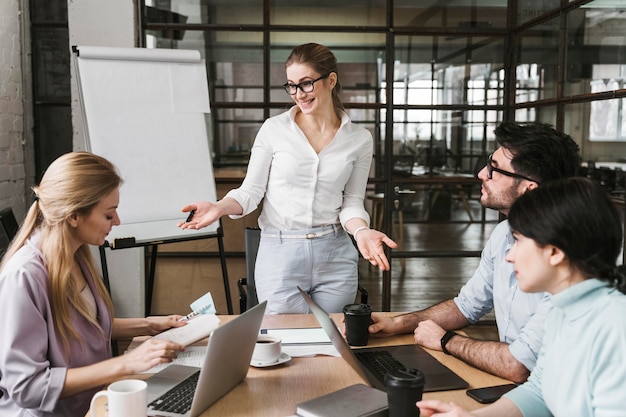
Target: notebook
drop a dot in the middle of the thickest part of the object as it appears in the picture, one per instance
(225, 365)
(438, 377)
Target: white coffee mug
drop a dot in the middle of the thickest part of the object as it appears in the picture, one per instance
(125, 398)
(267, 350)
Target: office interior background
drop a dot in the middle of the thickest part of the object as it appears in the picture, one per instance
(430, 79)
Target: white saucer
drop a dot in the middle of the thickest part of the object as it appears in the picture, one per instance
(281, 359)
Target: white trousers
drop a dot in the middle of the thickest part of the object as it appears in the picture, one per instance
(326, 267)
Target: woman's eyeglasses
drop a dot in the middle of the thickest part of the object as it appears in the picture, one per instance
(491, 168)
(304, 86)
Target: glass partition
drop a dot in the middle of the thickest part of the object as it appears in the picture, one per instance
(461, 14)
(347, 13)
(536, 74)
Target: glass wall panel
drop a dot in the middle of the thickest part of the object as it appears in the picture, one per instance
(441, 140)
(235, 130)
(606, 117)
(577, 124)
(532, 9)
(478, 14)
(536, 74)
(596, 36)
(432, 70)
(543, 114)
(328, 13)
(219, 12)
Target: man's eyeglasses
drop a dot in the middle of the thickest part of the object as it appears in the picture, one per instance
(491, 168)
(304, 86)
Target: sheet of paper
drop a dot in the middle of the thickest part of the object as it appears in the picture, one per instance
(308, 351)
(299, 336)
(192, 356)
(304, 342)
(196, 328)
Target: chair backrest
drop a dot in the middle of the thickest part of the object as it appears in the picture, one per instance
(8, 229)
(9, 223)
(252, 236)
(4, 242)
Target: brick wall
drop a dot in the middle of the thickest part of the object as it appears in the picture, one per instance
(12, 160)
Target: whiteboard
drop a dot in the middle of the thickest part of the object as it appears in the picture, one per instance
(144, 110)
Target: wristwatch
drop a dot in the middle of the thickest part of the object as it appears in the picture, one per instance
(445, 339)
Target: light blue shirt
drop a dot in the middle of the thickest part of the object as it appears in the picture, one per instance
(304, 189)
(581, 369)
(520, 316)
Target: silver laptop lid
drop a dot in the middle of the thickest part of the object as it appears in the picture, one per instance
(336, 337)
(227, 359)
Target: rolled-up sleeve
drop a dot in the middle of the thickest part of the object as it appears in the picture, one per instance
(520, 316)
(475, 298)
(526, 347)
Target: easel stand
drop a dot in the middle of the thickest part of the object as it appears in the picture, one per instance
(149, 277)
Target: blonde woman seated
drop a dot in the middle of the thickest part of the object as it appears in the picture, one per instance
(57, 317)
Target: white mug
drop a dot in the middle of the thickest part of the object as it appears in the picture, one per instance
(126, 398)
(266, 350)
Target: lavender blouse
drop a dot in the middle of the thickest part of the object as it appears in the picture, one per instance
(33, 363)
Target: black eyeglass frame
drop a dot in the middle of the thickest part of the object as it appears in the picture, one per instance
(288, 87)
(491, 168)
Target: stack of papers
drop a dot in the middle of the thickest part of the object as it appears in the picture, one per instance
(304, 342)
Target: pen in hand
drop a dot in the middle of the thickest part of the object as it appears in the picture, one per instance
(191, 214)
(195, 313)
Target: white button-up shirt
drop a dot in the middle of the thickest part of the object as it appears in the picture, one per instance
(304, 189)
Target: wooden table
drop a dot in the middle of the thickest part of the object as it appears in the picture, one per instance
(275, 391)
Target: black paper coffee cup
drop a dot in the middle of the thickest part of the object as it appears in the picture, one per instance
(404, 388)
(357, 318)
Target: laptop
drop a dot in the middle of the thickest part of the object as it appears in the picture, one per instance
(225, 365)
(437, 376)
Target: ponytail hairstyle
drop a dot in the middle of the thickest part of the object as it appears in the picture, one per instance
(577, 216)
(73, 184)
(322, 60)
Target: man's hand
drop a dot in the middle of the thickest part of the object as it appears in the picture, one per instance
(429, 334)
(383, 326)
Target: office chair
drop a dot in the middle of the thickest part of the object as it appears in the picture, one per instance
(246, 287)
(9, 223)
(4, 241)
(8, 229)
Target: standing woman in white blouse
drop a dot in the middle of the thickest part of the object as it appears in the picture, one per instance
(310, 166)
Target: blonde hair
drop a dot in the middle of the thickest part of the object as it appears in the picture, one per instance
(72, 185)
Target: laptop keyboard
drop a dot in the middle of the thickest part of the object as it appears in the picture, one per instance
(378, 362)
(177, 400)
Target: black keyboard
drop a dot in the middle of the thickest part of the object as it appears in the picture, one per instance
(378, 362)
(177, 400)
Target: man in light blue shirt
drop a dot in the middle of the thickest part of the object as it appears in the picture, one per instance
(527, 156)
